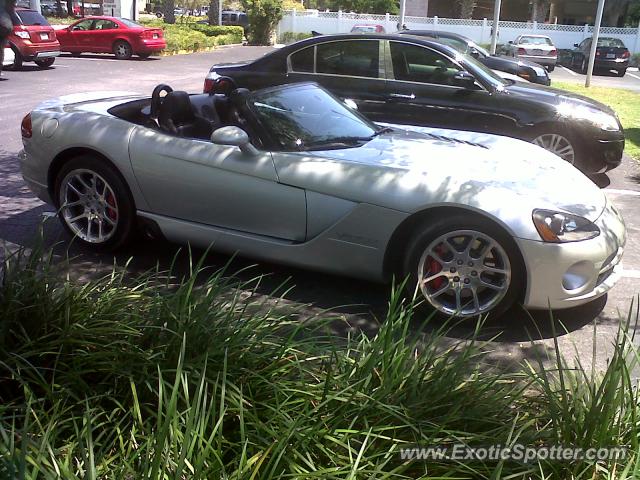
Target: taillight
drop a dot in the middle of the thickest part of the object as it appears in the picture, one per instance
(597, 53)
(208, 85)
(553, 53)
(626, 54)
(26, 128)
(522, 51)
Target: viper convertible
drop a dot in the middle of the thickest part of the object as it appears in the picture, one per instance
(291, 174)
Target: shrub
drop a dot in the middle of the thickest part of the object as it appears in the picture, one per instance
(290, 37)
(216, 30)
(264, 15)
(635, 60)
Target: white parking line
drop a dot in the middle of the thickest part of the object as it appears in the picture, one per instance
(617, 191)
(634, 76)
(570, 71)
(630, 273)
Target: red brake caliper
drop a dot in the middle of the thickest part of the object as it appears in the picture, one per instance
(435, 267)
(111, 212)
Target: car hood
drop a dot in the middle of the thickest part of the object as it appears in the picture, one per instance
(409, 169)
(552, 96)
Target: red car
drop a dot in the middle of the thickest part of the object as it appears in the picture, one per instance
(33, 39)
(119, 36)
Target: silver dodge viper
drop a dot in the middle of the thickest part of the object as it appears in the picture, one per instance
(291, 174)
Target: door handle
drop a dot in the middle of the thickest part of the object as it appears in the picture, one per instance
(401, 96)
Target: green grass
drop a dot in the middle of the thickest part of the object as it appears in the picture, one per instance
(173, 378)
(625, 103)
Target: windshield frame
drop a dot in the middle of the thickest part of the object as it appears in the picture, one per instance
(270, 138)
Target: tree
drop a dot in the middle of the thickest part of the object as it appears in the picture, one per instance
(214, 11)
(264, 15)
(539, 9)
(466, 8)
(169, 14)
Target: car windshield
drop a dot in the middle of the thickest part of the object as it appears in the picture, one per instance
(129, 23)
(363, 29)
(610, 42)
(29, 17)
(306, 117)
(535, 41)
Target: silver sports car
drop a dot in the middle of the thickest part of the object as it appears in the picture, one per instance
(291, 174)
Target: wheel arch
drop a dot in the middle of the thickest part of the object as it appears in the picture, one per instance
(69, 154)
(394, 253)
(122, 39)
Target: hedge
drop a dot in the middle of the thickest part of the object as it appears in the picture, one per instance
(290, 37)
(192, 36)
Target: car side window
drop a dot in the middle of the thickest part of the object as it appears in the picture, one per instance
(84, 25)
(354, 58)
(105, 25)
(302, 61)
(414, 63)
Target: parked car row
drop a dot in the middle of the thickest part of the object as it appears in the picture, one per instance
(413, 80)
(34, 40)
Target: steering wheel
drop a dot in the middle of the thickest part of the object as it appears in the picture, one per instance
(223, 85)
(156, 99)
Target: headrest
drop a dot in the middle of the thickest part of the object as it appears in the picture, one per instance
(177, 107)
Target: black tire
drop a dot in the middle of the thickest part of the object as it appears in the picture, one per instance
(551, 68)
(144, 56)
(17, 62)
(159, 14)
(621, 72)
(122, 50)
(45, 62)
(428, 233)
(584, 66)
(126, 213)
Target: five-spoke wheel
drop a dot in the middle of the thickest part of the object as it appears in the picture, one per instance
(94, 203)
(464, 267)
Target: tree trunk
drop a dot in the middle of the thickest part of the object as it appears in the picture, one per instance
(214, 7)
(169, 15)
(539, 9)
(466, 8)
(70, 8)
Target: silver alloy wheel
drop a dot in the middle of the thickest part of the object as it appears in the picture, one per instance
(557, 144)
(122, 49)
(464, 272)
(88, 206)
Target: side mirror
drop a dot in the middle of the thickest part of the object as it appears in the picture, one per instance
(510, 42)
(474, 53)
(233, 137)
(465, 80)
(576, 45)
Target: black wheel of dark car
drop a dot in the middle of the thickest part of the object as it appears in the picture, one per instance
(122, 50)
(17, 62)
(144, 56)
(463, 267)
(159, 14)
(94, 203)
(551, 68)
(45, 62)
(621, 72)
(557, 141)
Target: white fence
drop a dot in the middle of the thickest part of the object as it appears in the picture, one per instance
(563, 36)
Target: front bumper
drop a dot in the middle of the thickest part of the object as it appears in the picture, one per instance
(563, 275)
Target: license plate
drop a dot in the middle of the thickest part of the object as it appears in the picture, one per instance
(155, 35)
(537, 51)
(611, 55)
(44, 36)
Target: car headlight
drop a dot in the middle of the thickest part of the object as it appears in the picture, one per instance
(600, 119)
(560, 227)
(541, 72)
(24, 35)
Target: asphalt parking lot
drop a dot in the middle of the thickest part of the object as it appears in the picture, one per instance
(362, 303)
(631, 80)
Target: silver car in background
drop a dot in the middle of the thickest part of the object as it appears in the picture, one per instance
(476, 223)
(535, 48)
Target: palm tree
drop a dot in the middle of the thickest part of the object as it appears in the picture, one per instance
(466, 8)
(214, 7)
(169, 14)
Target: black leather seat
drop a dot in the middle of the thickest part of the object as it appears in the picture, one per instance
(178, 117)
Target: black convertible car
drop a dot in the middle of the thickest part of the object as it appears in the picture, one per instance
(414, 81)
(528, 70)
